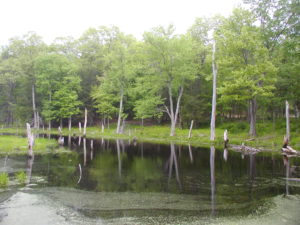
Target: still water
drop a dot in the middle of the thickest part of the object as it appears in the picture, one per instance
(121, 182)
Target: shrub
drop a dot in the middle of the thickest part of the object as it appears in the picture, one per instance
(3, 179)
(21, 177)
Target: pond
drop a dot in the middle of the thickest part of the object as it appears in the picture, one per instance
(122, 182)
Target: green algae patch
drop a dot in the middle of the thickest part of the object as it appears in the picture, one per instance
(19, 146)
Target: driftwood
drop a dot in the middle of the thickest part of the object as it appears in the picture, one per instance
(240, 148)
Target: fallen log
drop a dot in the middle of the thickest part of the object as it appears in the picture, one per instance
(247, 150)
(288, 150)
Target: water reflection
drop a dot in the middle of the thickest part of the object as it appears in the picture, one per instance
(212, 179)
(191, 154)
(173, 161)
(30, 161)
(287, 173)
(225, 154)
(116, 166)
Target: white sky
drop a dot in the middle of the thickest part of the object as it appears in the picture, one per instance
(57, 18)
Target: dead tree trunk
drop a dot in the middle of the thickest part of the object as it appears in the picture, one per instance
(79, 127)
(102, 128)
(190, 131)
(49, 125)
(214, 96)
(173, 115)
(120, 112)
(287, 116)
(85, 121)
(252, 110)
(34, 107)
(70, 123)
(30, 139)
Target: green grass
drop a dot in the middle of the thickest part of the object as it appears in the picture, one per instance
(270, 135)
(21, 177)
(18, 145)
(3, 179)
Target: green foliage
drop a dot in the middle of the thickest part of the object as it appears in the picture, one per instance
(3, 179)
(21, 177)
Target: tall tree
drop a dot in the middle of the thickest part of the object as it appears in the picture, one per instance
(247, 72)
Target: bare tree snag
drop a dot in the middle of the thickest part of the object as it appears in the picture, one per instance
(59, 130)
(287, 116)
(225, 138)
(30, 139)
(173, 116)
(120, 112)
(214, 96)
(190, 131)
(34, 107)
(85, 121)
(102, 128)
(79, 126)
(70, 123)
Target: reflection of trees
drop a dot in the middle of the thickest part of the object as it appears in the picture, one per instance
(119, 158)
(62, 169)
(173, 161)
(84, 151)
(30, 161)
(212, 179)
(137, 174)
(225, 154)
(191, 154)
(286, 162)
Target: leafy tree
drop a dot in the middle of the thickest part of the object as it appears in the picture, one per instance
(59, 83)
(172, 58)
(247, 72)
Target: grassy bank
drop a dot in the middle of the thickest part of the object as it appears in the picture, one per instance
(269, 136)
(18, 145)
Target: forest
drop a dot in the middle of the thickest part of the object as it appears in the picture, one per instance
(165, 78)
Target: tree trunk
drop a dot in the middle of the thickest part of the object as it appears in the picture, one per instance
(85, 122)
(287, 116)
(173, 116)
(253, 107)
(297, 113)
(38, 120)
(79, 127)
(34, 107)
(70, 123)
(190, 131)
(214, 96)
(61, 124)
(120, 113)
(49, 125)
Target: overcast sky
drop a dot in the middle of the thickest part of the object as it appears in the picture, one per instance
(57, 18)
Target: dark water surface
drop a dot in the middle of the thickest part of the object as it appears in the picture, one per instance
(118, 182)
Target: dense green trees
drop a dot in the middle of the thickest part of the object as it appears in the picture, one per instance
(165, 76)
